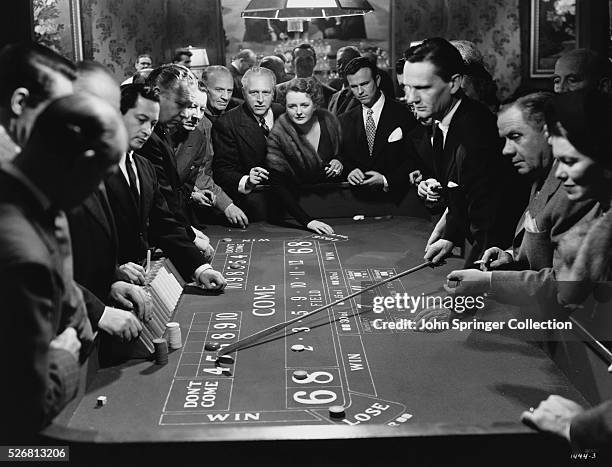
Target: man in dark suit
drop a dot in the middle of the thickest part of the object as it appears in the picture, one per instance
(239, 137)
(94, 238)
(304, 61)
(178, 90)
(375, 150)
(460, 154)
(242, 62)
(139, 209)
(75, 142)
(219, 86)
(344, 100)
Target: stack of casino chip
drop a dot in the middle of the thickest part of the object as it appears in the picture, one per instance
(173, 334)
(161, 351)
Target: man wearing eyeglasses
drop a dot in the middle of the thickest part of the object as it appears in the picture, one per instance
(239, 136)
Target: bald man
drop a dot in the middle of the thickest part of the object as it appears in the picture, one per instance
(75, 142)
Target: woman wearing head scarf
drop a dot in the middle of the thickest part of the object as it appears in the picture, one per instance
(302, 148)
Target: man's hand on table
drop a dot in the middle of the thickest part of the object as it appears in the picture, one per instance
(236, 216)
(131, 272)
(211, 279)
(120, 323)
(132, 298)
(554, 415)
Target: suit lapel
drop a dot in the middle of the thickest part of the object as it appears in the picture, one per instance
(146, 190)
(251, 134)
(94, 204)
(118, 184)
(383, 129)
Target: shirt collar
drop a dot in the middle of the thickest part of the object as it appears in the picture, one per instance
(378, 105)
(444, 124)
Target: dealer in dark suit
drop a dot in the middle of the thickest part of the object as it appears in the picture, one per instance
(74, 143)
(460, 165)
(239, 137)
(140, 211)
(375, 150)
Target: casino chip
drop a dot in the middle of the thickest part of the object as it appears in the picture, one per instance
(226, 240)
(336, 411)
(300, 375)
(212, 346)
(359, 217)
(234, 266)
(298, 347)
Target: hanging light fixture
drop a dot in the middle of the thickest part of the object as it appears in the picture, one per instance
(305, 9)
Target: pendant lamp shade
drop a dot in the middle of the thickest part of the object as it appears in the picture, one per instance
(305, 9)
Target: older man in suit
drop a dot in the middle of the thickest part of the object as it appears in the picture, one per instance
(521, 273)
(375, 149)
(75, 142)
(239, 137)
(194, 157)
(139, 209)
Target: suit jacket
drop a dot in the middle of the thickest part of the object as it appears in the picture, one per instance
(237, 96)
(239, 144)
(150, 223)
(200, 141)
(471, 160)
(392, 159)
(36, 304)
(343, 101)
(94, 246)
(176, 185)
(536, 254)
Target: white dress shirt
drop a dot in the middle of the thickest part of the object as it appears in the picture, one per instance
(444, 124)
(377, 109)
(123, 168)
(242, 184)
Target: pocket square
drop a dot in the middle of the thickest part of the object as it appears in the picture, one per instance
(452, 184)
(396, 135)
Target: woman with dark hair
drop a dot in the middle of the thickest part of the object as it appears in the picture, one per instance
(302, 148)
(579, 126)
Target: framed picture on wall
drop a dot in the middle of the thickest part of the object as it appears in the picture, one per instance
(553, 31)
(57, 25)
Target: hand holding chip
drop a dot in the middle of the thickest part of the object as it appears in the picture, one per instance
(470, 282)
(495, 258)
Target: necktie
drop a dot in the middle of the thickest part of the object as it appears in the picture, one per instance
(370, 130)
(264, 126)
(132, 178)
(438, 146)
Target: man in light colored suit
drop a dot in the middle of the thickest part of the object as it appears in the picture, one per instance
(521, 273)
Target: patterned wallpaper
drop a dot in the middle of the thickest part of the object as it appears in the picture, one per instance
(492, 24)
(116, 31)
